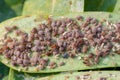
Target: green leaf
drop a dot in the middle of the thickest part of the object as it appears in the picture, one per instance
(117, 7)
(100, 5)
(52, 7)
(26, 76)
(15, 5)
(11, 75)
(29, 22)
(9, 10)
(3, 72)
(13, 2)
(89, 75)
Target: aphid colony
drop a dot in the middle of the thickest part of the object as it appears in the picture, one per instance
(65, 37)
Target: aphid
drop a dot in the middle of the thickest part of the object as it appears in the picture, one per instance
(14, 63)
(8, 56)
(34, 61)
(79, 17)
(77, 77)
(61, 30)
(36, 42)
(61, 63)
(35, 48)
(14, 27)
(42, 62)
(14, 58)
(53, 24)
(18, 32)
(52, 65)
(41, 32)
(63, 24)
(58, 23)
(88, 60)
(85, 49)
(8, 29)
(65, 55)
(72, 55)
(40, 67)
(19, 61)
(103, 78)
(17, 53)
(34, 30)
(91, 55)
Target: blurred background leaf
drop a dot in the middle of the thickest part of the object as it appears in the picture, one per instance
(117, 7)
(3, 72)
(53, 7)
(10, 8)
(100, 5)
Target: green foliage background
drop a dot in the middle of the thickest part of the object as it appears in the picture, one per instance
(13, 8)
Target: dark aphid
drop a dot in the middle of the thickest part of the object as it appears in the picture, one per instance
(14, 63)
(79, 17)
(34, 30)
(116, 40)
(65, 55)
(103, 78)
(49, 53)
(54, 46)
(1, 50)
(91, 55)
(8, 56)
(14, 27)
(88, 61)
(89, 19)
(61, 63)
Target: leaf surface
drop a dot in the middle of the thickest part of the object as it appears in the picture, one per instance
(27, 23)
